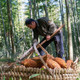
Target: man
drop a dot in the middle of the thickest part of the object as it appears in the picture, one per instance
(44, 27)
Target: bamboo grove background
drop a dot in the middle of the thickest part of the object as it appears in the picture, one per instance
(16, 38)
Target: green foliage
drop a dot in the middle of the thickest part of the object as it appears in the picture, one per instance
(11, 78)
(42, 68)
(7, 60)
(33, 75)
(78, 79)
(4, 78)
(20, 78)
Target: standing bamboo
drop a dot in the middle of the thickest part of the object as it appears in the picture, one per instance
(64, 36)
(4, 28)
(45, 8)
(30, 8)
(10, 23)
(70, 45)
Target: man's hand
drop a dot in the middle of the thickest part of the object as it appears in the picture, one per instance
(35, 42)
(48, 37)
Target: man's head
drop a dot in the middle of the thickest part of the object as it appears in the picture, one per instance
(31, 23)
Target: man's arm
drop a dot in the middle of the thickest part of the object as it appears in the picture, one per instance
(51, 28)
(48, 25)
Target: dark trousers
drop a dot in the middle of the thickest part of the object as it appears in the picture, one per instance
(58, 41)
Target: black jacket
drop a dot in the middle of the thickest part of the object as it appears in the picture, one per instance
(44, 27)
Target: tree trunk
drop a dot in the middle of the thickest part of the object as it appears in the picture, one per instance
(69, 31)
(10, 23)
(77, 27)
(34, 10)
(5, 37)
(38, 16)
(65, 36)
(45, 8)
(30, 8)
(74, 27)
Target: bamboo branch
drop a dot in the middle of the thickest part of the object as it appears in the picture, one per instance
(43, 49)
(35, 48)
